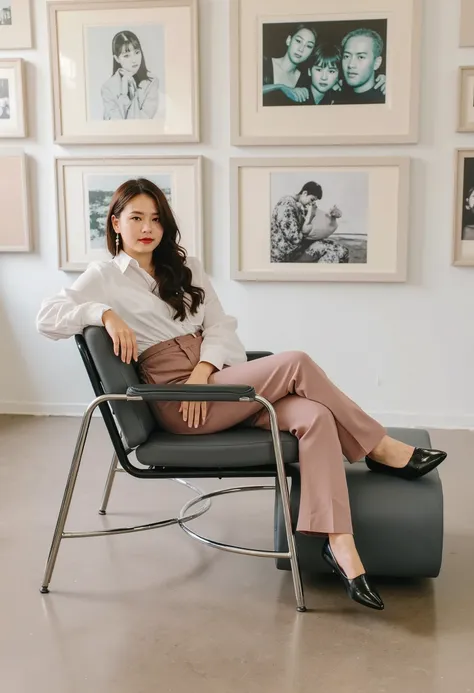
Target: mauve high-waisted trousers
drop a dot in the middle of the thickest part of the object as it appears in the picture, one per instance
(326, 422)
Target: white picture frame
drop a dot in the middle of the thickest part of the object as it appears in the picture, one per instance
(257, 32)
(374, 192)
(15, 229)
(15, 25)
(466, 31)
(463, 227)
(100, 95)
(12, 99)
(84, 189)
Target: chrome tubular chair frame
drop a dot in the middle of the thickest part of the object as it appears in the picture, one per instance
(121, 462)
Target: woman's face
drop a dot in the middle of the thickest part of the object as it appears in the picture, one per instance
(300, 46)
(139, 225)
(324, 78)
(130, 59)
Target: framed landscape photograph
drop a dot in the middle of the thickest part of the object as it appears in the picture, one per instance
(466, 39)
(125, 70)
(15, 24)
(466, 99)
(12, 99)
(321, 219)
(85, 188)
(463, 232)
(345, 72)
(15, 230)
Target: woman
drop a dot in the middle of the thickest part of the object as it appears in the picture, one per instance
(468, 217)
(284, 78)
(132, 91)
(160, 309)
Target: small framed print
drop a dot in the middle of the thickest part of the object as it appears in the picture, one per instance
(125, 71)
(466, 99)
(333, 219)
(85, 188)
(466, 39)
(463, 232)
(314, 72)
(15, 24)
(12, 99)
(15, 231)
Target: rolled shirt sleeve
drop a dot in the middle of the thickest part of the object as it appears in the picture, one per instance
(72, 310)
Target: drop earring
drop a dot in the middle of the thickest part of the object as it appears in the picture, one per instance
(117, 242)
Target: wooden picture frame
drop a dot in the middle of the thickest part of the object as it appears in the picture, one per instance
(84, 189)
(15, 26)
(463, 228)
(15, 229)
(100, 95)
(12, 99)
(263, 112)
(361, 235)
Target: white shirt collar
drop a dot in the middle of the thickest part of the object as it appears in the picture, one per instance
(122, 260)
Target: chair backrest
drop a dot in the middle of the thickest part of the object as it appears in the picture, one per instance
(135, 418)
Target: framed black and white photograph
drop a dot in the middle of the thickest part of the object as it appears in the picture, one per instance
(15, 24)
(125, 69)
(320, 219)
(15, 229)
(357, 59)
(463, 232)
(85, 188)
(466, 99)
(12, 99)
(324, 63)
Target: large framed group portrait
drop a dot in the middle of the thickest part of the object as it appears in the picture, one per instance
(334, 219)
(85, 188)
(463, 231)
(125, 70)
(314, 72)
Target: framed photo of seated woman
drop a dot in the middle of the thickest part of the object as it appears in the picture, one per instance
(85, 188)
(125, 71)
(321, 219)
(345, 72)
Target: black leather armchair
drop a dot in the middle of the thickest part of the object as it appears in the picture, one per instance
(237, 452)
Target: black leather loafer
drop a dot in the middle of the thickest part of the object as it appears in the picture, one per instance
(421, 462)
(358, 588)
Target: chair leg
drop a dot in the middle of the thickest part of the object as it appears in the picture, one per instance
(108, 484)
(66, 501)
(285, 498)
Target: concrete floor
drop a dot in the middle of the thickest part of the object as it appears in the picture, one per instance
(158, 612)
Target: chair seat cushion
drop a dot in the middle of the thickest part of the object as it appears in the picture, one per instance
(235, 447)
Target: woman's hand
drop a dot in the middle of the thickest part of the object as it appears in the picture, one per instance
(297, 94)
(335, 212)
(381, 83)
(195, 413)
(124, 339)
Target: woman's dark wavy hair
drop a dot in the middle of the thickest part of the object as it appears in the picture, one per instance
(169, 258)
(129, 40)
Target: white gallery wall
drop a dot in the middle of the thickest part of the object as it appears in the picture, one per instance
(403, 351)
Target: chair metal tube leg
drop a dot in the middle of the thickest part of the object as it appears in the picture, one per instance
(108, 484)
(285, 497)
(67, 497)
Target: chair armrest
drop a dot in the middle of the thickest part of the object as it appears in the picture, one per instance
(254, 355)
(193, 393)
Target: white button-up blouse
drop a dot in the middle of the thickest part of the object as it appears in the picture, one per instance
(121, 285)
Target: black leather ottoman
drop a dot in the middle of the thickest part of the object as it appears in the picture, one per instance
(398, 524)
